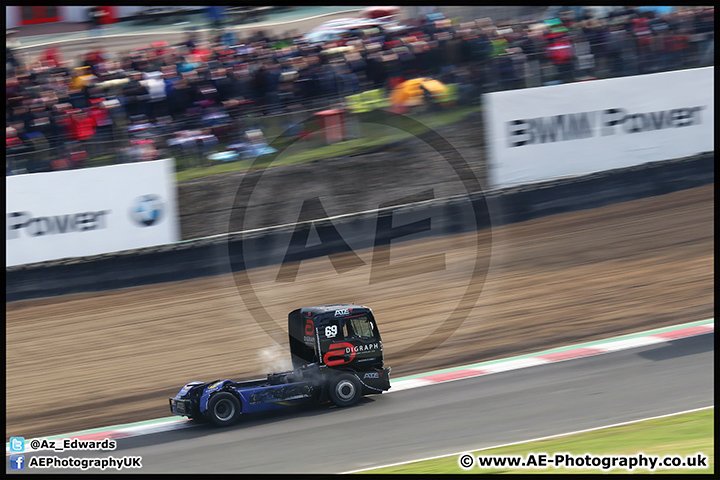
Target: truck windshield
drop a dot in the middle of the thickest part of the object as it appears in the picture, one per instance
(361, 326)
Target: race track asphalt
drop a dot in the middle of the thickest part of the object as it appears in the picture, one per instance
(442, 419)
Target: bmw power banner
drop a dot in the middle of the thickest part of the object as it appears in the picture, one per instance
(75, 213)
(543, 133)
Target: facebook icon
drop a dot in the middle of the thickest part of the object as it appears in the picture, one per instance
(17, 462)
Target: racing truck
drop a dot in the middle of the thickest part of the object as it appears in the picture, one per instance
(337, 356)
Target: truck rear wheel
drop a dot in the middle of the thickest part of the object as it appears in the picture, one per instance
(345, 390)
(223, 409)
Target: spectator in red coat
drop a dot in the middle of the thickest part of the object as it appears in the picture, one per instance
(103, 122)
(560, 52)
(82, 129)
(82, 126)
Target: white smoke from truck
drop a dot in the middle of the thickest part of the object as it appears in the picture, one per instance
(275, 359)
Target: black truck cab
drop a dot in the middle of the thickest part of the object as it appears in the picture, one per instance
(343, 336)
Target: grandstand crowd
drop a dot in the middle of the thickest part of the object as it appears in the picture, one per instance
(60, 113)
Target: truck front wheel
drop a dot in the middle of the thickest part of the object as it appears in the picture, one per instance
(223, 409)
(345, 390)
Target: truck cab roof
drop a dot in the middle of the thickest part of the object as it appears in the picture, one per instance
(333, 308)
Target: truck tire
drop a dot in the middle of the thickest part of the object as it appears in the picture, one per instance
(223, 409)
(345, 390)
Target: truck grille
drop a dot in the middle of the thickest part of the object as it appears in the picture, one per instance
(179, 407)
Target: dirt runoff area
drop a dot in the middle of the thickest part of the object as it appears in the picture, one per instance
(94, 360)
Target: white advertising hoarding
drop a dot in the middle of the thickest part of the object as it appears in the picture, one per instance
(542, 133)
(75, 213)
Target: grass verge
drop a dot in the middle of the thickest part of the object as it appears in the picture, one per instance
(684, 435)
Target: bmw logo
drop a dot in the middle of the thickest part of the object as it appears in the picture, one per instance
(147, 210)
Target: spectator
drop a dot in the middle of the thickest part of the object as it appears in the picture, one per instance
(135, 95)
(155, 85)
(170, 78)
(82, 130)
(272, 84)
(37, 129)
(349, 84)
(584, 59)
(643, 39)
(674, 46)
(451, 51)
(528, 44)
(38, 121)
(94, 60)
(222, 83)
(597, 36)
(499, 44)
(507, 70)
(182, 98)
(103, 121)
(393, 68)
(560, 53)
(60, 122)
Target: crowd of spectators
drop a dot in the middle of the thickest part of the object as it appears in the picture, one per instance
(60, 113)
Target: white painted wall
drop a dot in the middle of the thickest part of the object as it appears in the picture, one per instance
(74, 14)
(12, 16)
